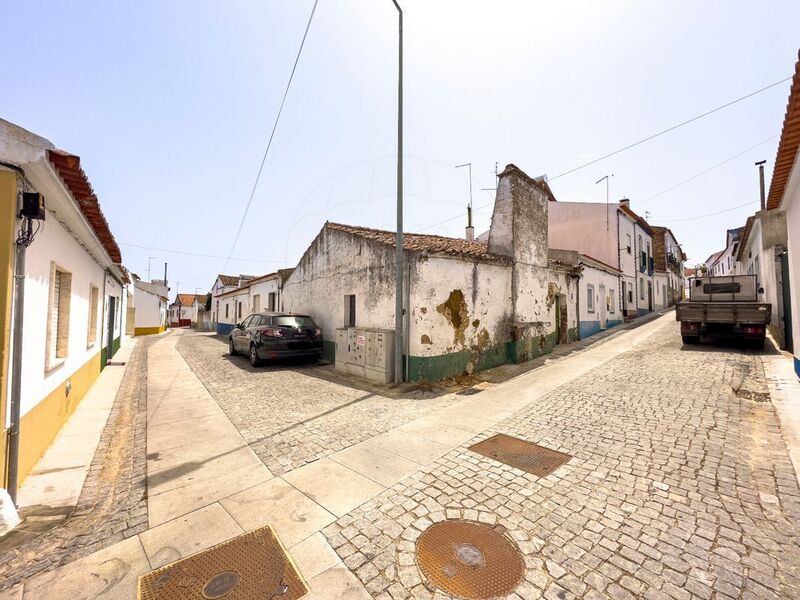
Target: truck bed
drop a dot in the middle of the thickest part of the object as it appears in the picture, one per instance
(755, 313)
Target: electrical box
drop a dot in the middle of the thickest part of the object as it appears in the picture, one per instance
(32, 206)
(368, 353)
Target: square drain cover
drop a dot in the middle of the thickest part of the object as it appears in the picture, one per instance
(253, 566)
(527, 456)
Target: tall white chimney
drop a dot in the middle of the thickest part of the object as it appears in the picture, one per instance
(470, 228)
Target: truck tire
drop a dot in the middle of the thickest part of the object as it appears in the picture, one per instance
(691, 339)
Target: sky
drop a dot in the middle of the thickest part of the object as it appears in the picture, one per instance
(170, 105)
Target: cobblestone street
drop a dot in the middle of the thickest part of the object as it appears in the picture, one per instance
(680, 486)
(289, 414)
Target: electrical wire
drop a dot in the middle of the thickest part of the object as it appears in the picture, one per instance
(271, 135)
(693, 177)
(673, 128)
(197, 254)
(719, 212)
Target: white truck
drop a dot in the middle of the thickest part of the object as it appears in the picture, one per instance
(724, 306)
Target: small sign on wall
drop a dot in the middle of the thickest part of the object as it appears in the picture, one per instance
(361, 340)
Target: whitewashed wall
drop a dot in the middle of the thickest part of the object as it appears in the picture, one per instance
(150, 309)
(54, 243)
(590, 321)
(262, 289)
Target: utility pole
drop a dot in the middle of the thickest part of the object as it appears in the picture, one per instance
(760, 165)
(398, 274)
(598, 181)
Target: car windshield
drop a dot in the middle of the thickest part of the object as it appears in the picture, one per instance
(304, 322)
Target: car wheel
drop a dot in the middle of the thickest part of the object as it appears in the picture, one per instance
(231, 349)
(254, 360)
(691, 339)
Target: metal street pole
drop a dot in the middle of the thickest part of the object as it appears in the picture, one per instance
(398, 271)
(760, 165)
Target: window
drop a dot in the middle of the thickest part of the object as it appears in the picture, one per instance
(630, 293)
(271, 300)
(94, 299)
(612, 301)
(641, 288)
(248, 322)
(648, 249)
(257, 303)
(590, 298)
(350, 310)
(294, 322)
(239, 310)
(226, 310)
(629, 244)
(58, 322)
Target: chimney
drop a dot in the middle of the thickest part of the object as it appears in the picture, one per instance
(625, 202)
(470, 228)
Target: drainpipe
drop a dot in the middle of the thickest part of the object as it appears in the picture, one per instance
(24, 239)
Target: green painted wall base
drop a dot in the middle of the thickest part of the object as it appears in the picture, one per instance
(115, 344)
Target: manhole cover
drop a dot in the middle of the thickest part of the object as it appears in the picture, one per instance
(469, 560)
(527, 456)
(253, 566)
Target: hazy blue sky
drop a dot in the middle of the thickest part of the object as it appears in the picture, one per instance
(169, 105)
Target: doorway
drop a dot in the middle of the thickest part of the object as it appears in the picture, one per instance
(650, 296)
(112, 310)
(788, 342)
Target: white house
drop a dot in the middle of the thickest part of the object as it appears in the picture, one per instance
(615, 235)
(784, 197)
(74, 291)
(265, 291)
(598, 292)
(232, 306)
(469, 304)
(724, 262)
(150, 299)
(222, 285)
(184, 310)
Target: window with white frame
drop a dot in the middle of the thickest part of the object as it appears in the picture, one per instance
(257, 303)
(58, 316)
(630, 250)
(272, 301)
(94, 300)
(590, 297)
(641, 288)
(630, 293)
(612, 301)
(350, 310)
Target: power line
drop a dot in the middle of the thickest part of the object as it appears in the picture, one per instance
(199, 255)
(693, 177)
(719, 212)
(646, 139)
(271, 135)
(674, 127)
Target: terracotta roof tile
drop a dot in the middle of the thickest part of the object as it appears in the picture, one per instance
(644, 224)
(424, 243)
(228, 279)
(68, 168)
(789, 143)
(188, 299)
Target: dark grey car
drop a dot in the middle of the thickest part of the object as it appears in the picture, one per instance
(270, 335)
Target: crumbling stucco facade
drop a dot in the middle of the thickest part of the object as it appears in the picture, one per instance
(469, 305)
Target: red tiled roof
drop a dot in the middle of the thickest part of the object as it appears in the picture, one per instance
(789, 143)
(744, 237)
(642, 223)
(424, 243)
(228, 279)
(68, 168)
(188, 299)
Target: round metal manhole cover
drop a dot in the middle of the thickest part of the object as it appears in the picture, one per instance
(220, 585)
(469, 560)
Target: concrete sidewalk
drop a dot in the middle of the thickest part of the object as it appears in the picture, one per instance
(784, 390)
(206, 485)
(58, 477)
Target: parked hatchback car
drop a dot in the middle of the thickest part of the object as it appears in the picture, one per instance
(269, 335)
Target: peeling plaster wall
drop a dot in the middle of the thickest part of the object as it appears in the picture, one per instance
(458, 308)
(337, 264)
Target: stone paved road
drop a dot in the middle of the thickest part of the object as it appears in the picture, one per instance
(680, 487)
(288, 413)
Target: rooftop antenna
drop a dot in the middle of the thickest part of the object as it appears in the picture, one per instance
(607, 178)
(470, 228)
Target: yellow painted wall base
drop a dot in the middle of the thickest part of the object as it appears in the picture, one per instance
(148, 330)
(39, 426)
